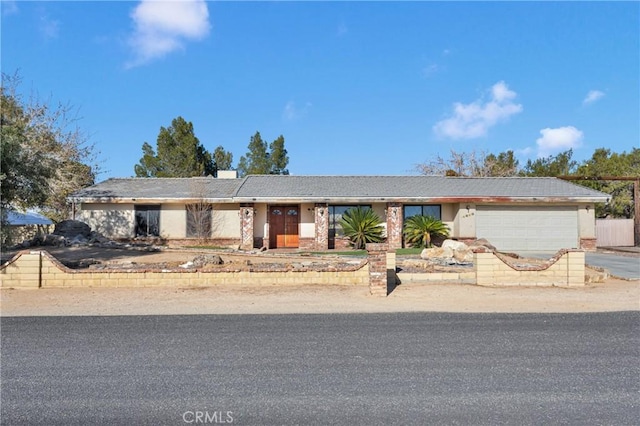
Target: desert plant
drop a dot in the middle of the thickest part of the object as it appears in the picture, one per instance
(420, 230)
(362, 226)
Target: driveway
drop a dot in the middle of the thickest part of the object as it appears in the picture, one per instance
(620, 264)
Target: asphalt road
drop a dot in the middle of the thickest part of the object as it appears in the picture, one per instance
(368, 369)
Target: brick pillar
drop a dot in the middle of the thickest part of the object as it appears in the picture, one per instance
(377, 268)
(394, 225)
(322, 226)
(246, 226)
(484, 260)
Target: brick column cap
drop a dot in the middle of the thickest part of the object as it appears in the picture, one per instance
(377, 247)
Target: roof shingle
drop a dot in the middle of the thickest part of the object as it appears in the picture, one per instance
(160, 188)
(334, 187)
(278, 187)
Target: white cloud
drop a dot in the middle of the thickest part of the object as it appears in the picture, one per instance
(9, 7)
(436, 66)
(292, 112)
(558, 139)
(430, 70)
(475, 119)
(48, 27)
(162, 27)
(592, 96)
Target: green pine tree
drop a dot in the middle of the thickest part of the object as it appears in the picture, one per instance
(178, 153)
(263, 159)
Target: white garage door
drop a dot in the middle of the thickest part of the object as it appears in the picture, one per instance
(511, 228)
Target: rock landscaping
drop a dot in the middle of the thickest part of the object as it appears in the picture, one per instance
(87, 246)
(451, 256)
(74, 233)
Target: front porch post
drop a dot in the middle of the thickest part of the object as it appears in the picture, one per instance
(394, 225)
(321, 212)
(246, 226)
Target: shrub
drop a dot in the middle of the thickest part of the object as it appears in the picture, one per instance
(362, 226)
(419, 230)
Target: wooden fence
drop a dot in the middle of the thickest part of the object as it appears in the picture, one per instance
(614, 232)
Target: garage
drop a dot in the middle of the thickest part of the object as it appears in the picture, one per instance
(535, 228)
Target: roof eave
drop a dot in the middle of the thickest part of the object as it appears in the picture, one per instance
(139, 200)
(442, 200)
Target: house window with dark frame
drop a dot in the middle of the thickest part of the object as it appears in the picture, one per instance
(147, 221)
(433, 210)
(335, 214)
(199, 220)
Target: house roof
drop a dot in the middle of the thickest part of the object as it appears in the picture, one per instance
(27, 218)
(158, 189)
(280, 188)
(372, 188)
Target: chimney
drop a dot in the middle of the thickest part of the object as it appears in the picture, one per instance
(227, 174)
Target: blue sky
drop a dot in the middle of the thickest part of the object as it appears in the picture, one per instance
(354, 87)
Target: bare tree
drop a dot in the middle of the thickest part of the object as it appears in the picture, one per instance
(471, 164)
(199, 210)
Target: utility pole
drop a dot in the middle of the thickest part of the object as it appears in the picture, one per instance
(636, 197)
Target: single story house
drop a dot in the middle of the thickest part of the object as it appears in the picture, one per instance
(276, 211)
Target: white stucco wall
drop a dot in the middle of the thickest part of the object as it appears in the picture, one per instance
(463, 222)
(226, 221)
(259, 220)
(116, 220)
(307, 220)
(448, 216)
(381, 211)
(173, 221)
(587, 221)
(110, 219)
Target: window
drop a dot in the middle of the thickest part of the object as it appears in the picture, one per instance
(434, 210)
(199, 220)
(335, 214)
(147, 221)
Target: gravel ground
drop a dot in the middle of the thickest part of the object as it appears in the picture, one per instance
(613, 295)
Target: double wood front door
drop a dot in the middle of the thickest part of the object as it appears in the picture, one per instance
(283, 226)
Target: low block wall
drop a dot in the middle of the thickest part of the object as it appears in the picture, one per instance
(565, 269)
(39, 269)
(437, 277)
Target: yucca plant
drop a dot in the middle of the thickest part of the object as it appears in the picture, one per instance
(420, 230)
(362, 226)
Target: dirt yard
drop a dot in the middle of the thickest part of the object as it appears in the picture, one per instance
(612, 295)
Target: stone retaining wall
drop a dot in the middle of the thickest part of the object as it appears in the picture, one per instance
(458, 277)
(37, 269)
(565, 269)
